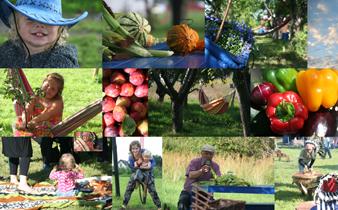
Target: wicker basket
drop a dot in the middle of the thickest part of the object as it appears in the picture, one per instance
(225, 204)
(307, 182)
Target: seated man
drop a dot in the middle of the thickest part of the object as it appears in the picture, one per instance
(199, 169)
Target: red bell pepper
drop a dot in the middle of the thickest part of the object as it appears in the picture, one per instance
(286, 112)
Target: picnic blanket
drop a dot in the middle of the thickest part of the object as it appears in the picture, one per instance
(94, 192)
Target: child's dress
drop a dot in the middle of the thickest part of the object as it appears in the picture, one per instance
(66, 182)
(42, 129)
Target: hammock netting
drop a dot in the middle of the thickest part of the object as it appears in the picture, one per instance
(19, 81)
(216, 56)
(216, 106)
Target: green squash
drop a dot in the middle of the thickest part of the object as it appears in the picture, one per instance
(137, 26)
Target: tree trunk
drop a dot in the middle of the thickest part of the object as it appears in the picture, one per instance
(177, 115)
(176, 11)
(161, 93)
(241, 80)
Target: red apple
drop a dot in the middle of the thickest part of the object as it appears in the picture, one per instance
(141, 91)
(136, 78)
(112, 90)
(118, 78)
(123, 101)
(119, 113)
(108, 104)
(140, 108)
(127, 89)
(108, 118)
(130, 70)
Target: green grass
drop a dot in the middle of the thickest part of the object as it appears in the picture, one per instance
(78, 92)
(271, 54)
(135, 202)
(35, 174)
(196, 121)
(288, 196)
(174, 176)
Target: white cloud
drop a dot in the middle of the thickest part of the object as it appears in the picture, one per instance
(322, 7)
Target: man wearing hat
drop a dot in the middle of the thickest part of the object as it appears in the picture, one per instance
(37, 35)
(307, 156)
(199, 169)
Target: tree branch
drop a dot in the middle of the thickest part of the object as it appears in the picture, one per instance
(187, 83)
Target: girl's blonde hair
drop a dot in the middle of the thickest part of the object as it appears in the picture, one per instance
(59, 79)
(67, 162)
(13, 34)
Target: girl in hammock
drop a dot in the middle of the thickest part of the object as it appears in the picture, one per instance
(43, 112)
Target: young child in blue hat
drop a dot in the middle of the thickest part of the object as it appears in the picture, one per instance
(37, 35)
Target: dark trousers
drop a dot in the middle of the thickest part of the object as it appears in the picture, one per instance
(14, 164)
(50, 154)
(150, 186)
(327, 151)
(185, 200)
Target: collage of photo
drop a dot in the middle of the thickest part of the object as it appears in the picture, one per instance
(169, 104)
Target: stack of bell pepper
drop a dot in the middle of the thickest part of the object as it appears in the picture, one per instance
(303, 101)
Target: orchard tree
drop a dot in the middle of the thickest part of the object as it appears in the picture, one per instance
(178, 83)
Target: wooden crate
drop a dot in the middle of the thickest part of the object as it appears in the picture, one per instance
(225, 204)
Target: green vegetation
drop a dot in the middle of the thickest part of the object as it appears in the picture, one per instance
(135, 202)
(91, 168)
(288, 196)
(196, 121)
(78, 92)
(176, 159)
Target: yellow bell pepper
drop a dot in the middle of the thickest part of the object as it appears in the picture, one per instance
(318, 88)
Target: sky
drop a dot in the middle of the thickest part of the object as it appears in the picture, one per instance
(153, 144)
(323, 33)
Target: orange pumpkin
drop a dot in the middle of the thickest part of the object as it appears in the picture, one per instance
(182, 39)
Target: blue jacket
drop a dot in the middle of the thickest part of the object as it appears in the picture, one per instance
(132, 161)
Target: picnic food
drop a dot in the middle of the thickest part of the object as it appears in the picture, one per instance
(286, 112)
(260, 94)
(182, 39)
(125, 104)
(282, 79)
(318, 88)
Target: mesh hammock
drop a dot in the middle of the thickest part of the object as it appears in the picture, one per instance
(68, 125)
(216, 106)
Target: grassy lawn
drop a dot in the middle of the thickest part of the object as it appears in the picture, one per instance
(288, 196)
(78, 93)
(135, 202)
(36, 174)
(274, 53)
(196, 121)
(174, 175)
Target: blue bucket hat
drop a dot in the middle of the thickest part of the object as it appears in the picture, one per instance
(48, 12)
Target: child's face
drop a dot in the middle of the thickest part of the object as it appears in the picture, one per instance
(146, 159)
(35, 34)
(50, 87)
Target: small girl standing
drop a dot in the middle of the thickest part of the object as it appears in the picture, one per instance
(66, 173)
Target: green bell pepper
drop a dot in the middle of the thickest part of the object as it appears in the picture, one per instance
(283, 79)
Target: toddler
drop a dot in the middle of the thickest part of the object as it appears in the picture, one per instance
(66, 173)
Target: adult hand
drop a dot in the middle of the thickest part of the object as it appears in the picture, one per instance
(205, 169)
(31, 124)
